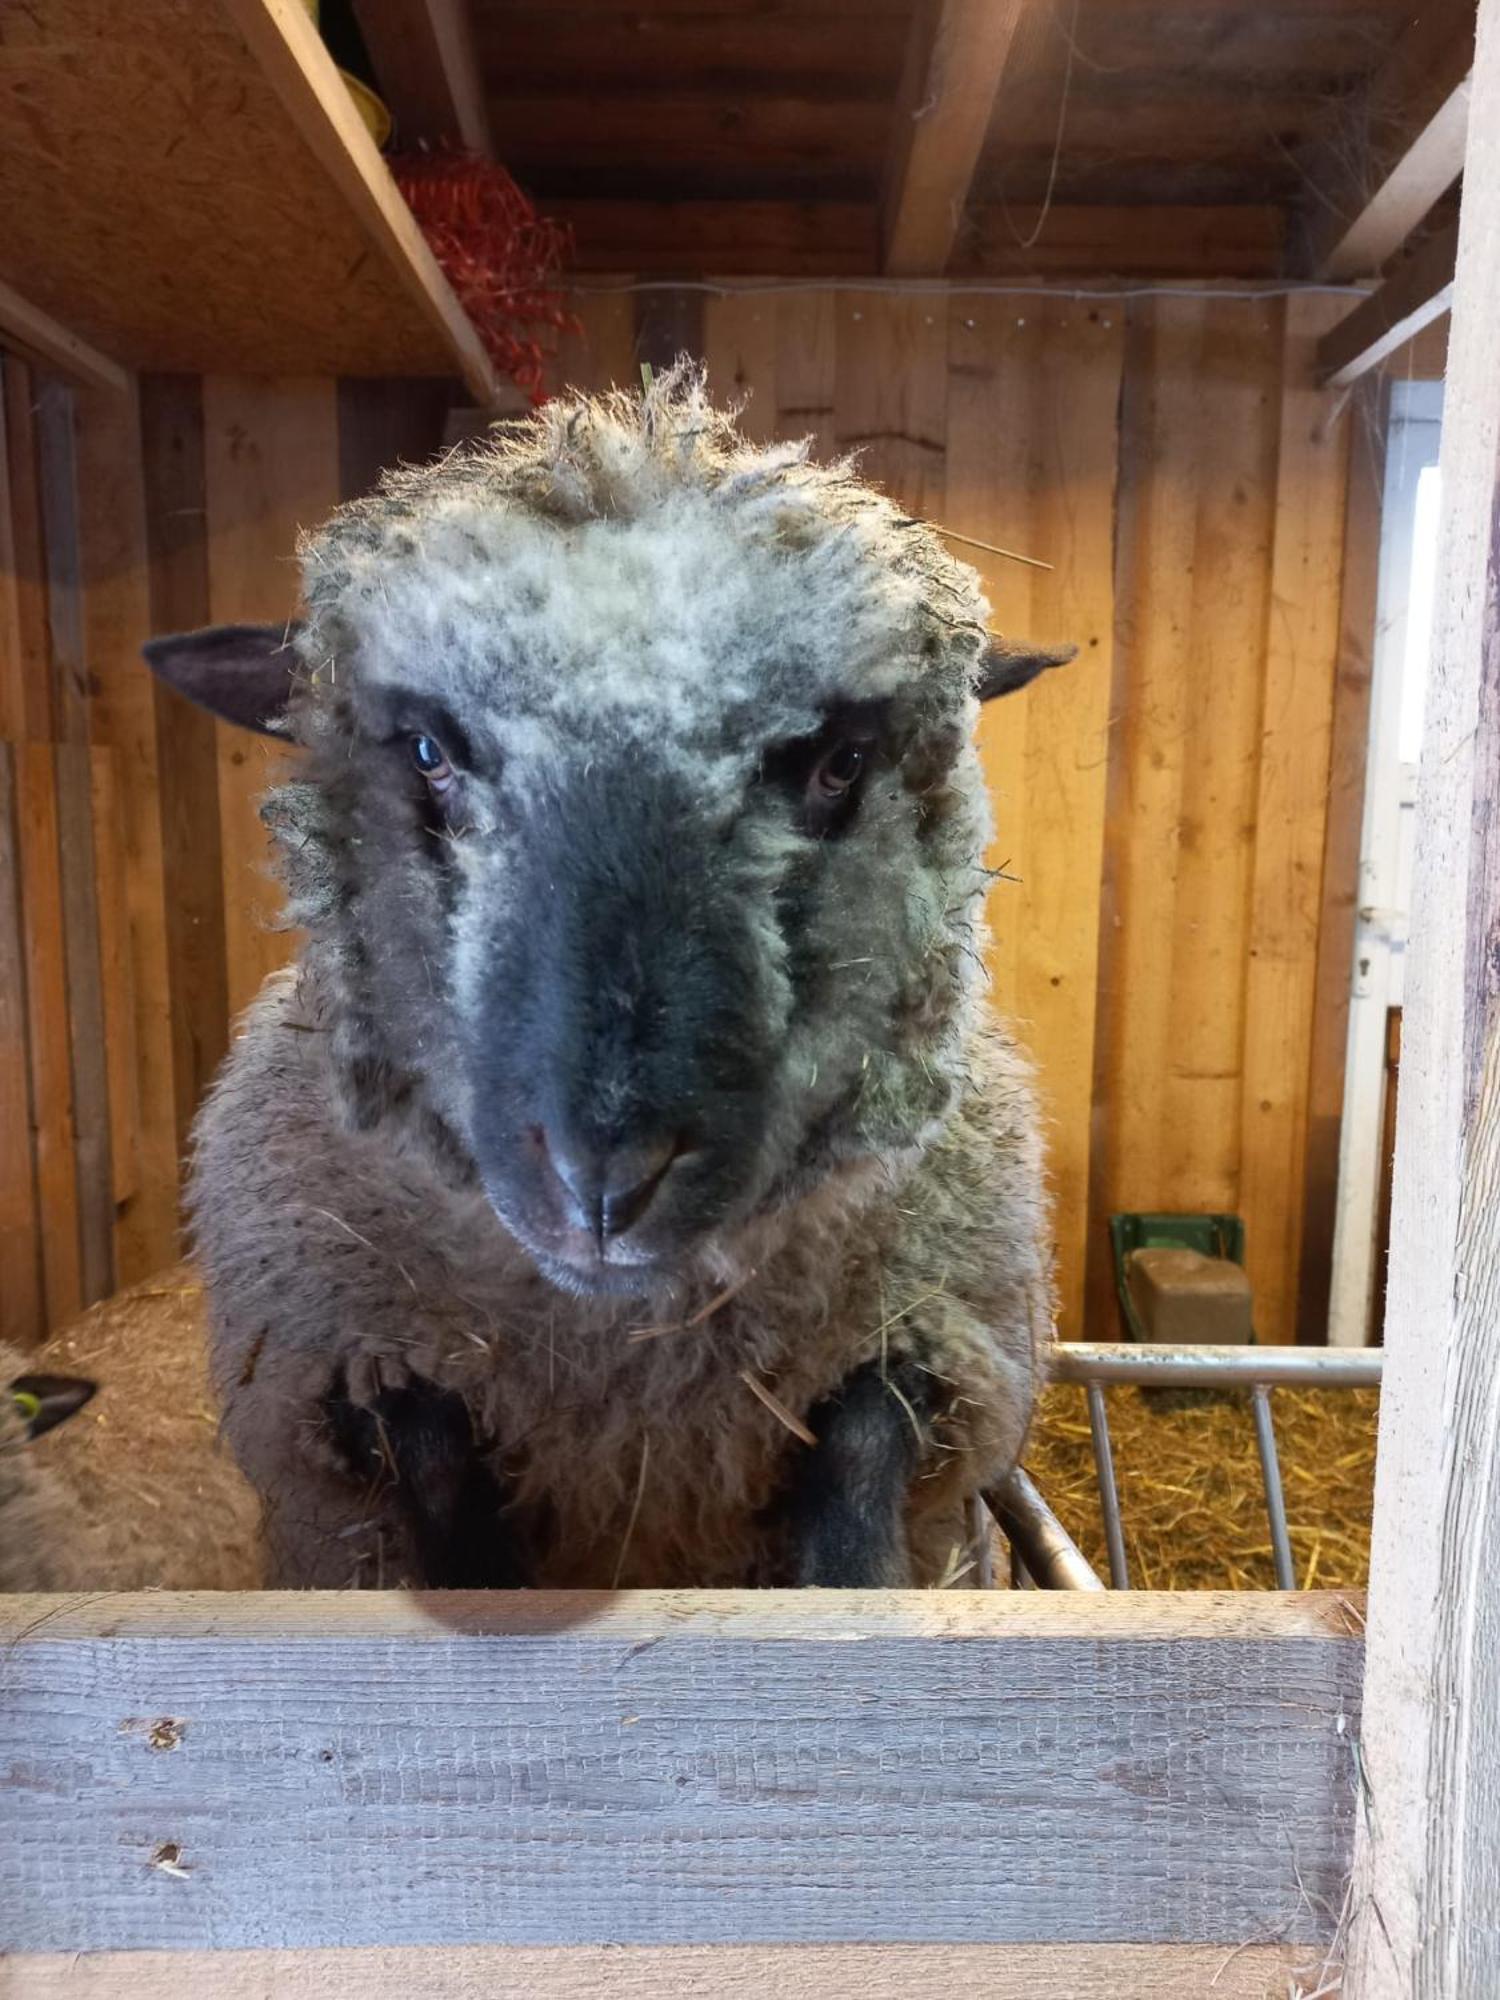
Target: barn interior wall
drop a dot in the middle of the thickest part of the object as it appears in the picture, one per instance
(1160, 805)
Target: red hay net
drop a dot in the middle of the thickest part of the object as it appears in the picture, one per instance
(503, 260)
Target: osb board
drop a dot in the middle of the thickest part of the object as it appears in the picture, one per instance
(675, 1767)
(159, 201)
(673, 1972)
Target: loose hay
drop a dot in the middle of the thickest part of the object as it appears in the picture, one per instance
(1190, 1487)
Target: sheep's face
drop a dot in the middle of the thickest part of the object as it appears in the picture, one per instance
(647, 839)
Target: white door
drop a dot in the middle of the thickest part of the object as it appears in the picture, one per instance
(1403, 637)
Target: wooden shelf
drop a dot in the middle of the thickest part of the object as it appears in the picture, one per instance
(187, 185)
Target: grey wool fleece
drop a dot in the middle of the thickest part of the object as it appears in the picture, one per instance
(642, 891)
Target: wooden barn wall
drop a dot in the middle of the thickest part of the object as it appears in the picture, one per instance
(1160, 805)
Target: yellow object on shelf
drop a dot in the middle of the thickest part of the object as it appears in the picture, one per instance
(377, 119)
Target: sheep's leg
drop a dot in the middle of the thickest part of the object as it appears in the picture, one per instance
(421, 1440)
(848, 1507)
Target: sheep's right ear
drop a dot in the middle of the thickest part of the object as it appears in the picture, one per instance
(241, 673)
(1008, 666)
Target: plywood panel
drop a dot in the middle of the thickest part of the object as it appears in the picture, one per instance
(272, 466)
(669, 1767)
(1296, 726)
(45, 929)
(806, 324)
(22, 1309)
(1033, 392)
(117, 616)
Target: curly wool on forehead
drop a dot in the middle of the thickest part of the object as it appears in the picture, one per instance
(636, 553)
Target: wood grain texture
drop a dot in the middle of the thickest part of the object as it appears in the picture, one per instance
(671, 1972)
(122, 716)
(658, 1768)
(117, 982)
(1427, 1888)
(44, 930)
(385, 423)
(36, 333)
(1033, 388)
(57, 478)
(955, 60)
(88, 1059)
(1412, 297)
(272, 467)
(22, 1307)
(1299, 688)
(186, 762)
(31, 674)
(192, 188)
(740, 344)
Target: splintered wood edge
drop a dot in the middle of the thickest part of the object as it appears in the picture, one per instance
(833, 1617)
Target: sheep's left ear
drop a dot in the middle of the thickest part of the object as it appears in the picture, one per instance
(241, 673)
(1007, 666)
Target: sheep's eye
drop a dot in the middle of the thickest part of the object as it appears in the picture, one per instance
(838, 770)
(430, 759)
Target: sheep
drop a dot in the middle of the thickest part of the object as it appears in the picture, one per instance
(134, 1490)
(625, 1185)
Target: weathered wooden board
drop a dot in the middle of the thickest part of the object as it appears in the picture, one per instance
(22, 1311)
(122, 716)
(676, 1972)
(1426, 1905)
(674, 1767)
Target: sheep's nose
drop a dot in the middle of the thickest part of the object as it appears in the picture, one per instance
(610, 1188)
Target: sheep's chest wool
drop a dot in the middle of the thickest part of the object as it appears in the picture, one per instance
(634, 1090)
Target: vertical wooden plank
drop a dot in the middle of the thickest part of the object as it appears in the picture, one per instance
(891, 394)
(1031, 464)
(806, 324)
(1235, 473)
(271, 463)
(43, 930)
(739, 346)
(22, 1310)
(117, 983)
(1300, 681)
(1160, 446)
(12, 680)
(86, 1019)
(117, 617)
(58, 484)
(1426, 1893)
(668, 326)
(385, 421)
(187, 759)
(598, 352)
(29, 593)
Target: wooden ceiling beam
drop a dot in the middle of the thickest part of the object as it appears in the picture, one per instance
(955, 60)
(1411, 298)
(1415, 117)
(37, 334)
(422, 53)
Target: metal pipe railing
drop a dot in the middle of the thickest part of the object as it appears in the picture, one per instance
(1052, 1558)
(1257, 1369)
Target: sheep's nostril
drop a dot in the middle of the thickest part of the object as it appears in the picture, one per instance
(610, 1188)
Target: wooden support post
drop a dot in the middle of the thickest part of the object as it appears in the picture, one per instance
(954, 64)
(1411, 298)
(1426, 1898)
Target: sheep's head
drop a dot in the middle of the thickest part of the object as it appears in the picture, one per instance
(640, 832)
